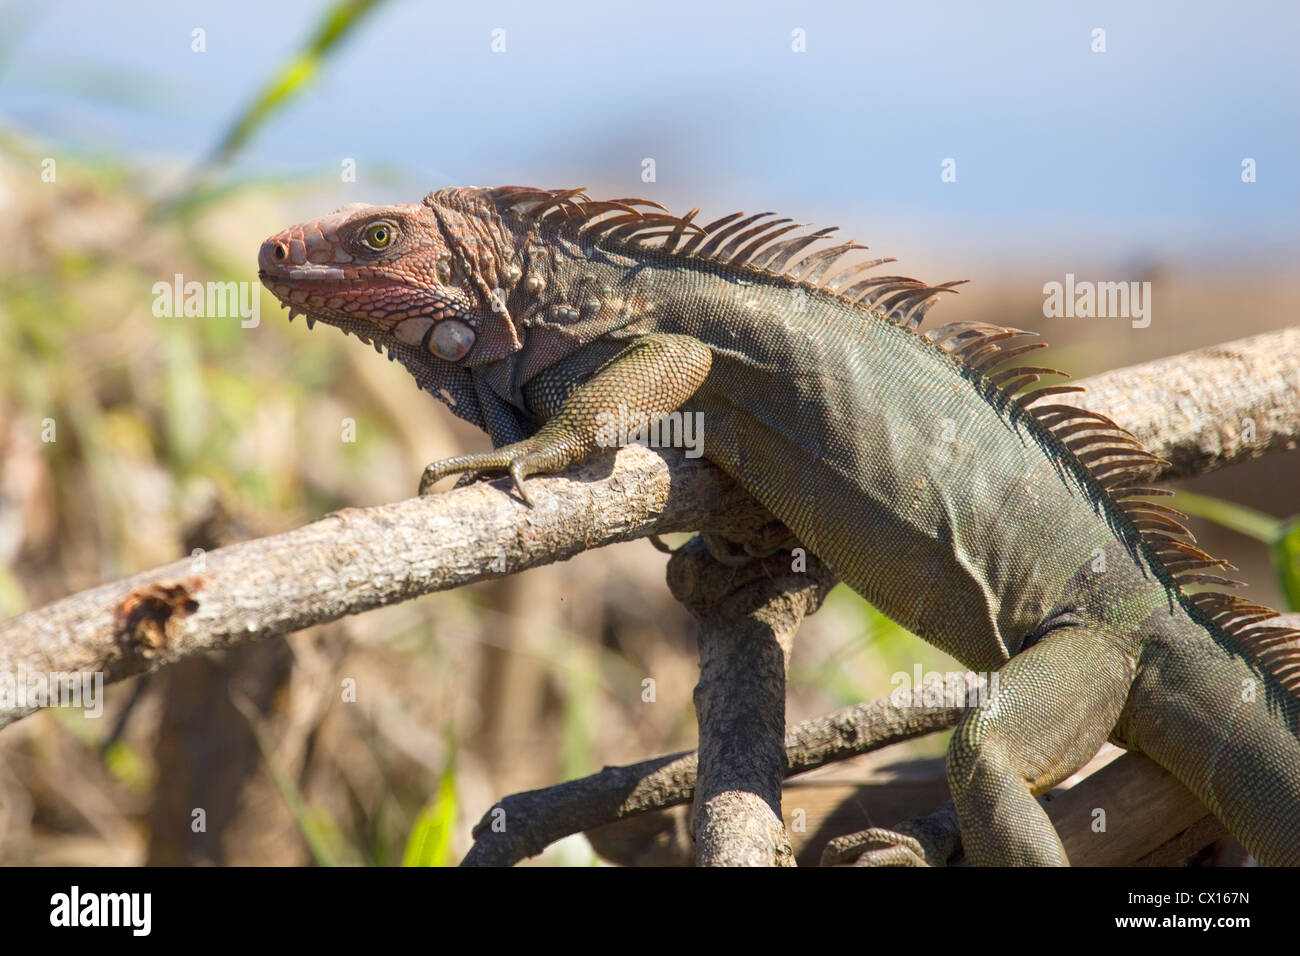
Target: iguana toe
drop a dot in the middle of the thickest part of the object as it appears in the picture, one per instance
(880, 847)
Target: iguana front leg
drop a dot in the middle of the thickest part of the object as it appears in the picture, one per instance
(652, 376)
(500, 421)
(1053, 707)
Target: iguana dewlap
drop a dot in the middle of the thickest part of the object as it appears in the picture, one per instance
(1000, 524)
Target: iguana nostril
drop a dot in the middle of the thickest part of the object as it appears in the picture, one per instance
(273, 252)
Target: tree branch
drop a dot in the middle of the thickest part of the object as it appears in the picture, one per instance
(748, 613)
(1190, 409)
(1209, 408)
(1151, 819)
(358, 559)
(524, 824)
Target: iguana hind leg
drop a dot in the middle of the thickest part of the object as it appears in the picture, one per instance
(654, 375)
(1052, 707)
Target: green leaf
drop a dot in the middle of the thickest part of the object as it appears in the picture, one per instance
(1239, 518)
(127, 764)
(430, 841)
(13, 601)
(295, 76)
(1281, 536)
(1286, 558)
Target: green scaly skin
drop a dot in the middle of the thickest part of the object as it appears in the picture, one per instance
(962, 513)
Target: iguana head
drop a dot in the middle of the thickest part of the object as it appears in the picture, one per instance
(427, 282)
(415, 274)
(501, 283)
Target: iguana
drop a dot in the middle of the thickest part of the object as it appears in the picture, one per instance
(976, 509)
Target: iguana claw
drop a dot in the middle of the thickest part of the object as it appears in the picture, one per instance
(473, 467)
(517, 475)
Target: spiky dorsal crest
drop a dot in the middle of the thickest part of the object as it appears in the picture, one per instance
(1107, 452)
(757, 242)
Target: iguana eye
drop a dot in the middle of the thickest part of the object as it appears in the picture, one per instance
(451, 340)
(379, 235)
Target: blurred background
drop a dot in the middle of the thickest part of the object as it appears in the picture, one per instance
(1010, 146)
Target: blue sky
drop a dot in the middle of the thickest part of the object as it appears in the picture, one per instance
(1132, 152)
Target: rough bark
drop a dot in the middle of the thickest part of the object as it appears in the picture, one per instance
(1209, 408)
(748, 615)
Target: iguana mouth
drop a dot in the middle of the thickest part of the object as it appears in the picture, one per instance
(329, 278)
